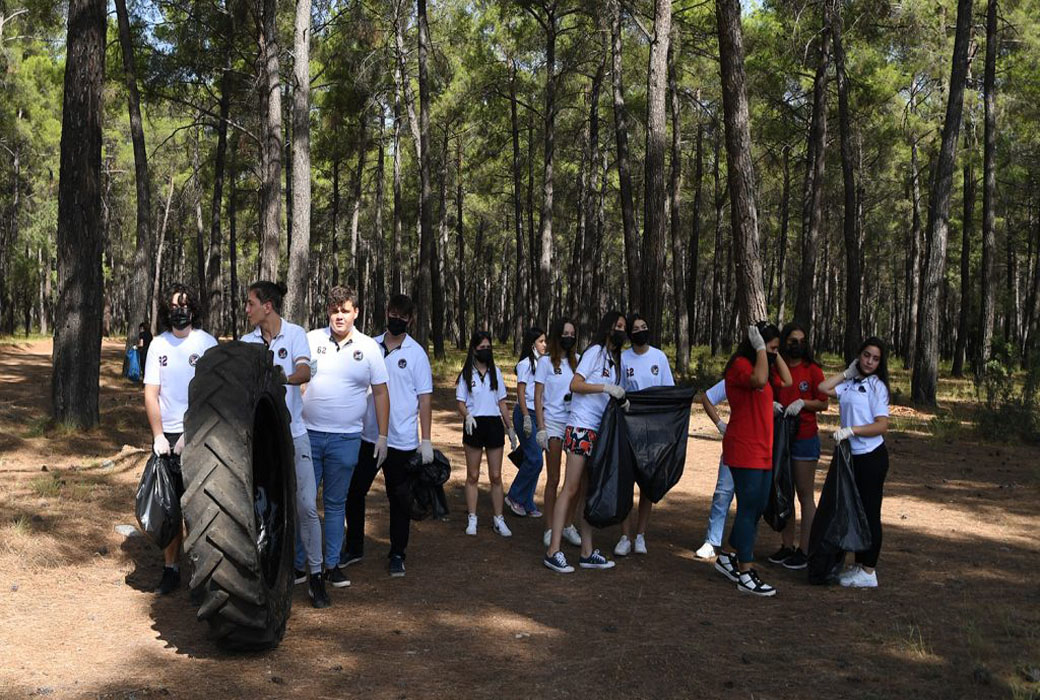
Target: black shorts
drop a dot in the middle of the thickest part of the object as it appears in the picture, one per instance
(174, 463)
(489, 433)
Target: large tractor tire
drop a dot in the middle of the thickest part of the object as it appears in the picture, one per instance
(239, 502)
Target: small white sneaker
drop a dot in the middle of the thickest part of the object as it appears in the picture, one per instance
(860, 579)
(571, 534)
(848, 573)
(498, 524)
(547, 537)
(707, 551)
(640, 546)
(623, 547)
(471, 526)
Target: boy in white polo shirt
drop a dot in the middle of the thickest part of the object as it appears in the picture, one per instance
(411, 391)
(288, 343)
(349, 370)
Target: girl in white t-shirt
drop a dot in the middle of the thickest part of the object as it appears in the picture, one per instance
(520, 498)
(480, 395)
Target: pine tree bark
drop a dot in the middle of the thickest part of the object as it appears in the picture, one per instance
(214, 293)
(545, 236)
(460, 246)
(397, 279)
(718, 270)
(693, 249)
(989, 191)
(913, 262)
(628, 215)
(429, 278)
(271, 101)
(587, 309)
(681, 327)
(520, 281)
(299, 251)
(967, 227)
(781, 249)
(233, 236)
(379, 312)
(354, 276)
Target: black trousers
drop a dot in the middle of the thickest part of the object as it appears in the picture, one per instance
(398, 493)
(870, 470)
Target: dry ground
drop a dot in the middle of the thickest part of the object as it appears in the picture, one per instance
(957, 613)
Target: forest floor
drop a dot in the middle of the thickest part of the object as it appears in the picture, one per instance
(956, 614)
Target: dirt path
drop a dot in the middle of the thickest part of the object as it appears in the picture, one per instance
(957, 614)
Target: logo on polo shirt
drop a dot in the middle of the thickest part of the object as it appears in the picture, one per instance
(606, 372)
(358, 354)
(282, 353)
(803, 386)
(654, 370)
(193, 359)
(402, 363)
(558, 370)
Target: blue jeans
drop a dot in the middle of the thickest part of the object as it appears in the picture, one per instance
(720, 502)
(752, 489)
(334, 456)
(526, 481)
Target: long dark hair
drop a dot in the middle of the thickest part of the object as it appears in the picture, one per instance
(193, 304)
(603, 331)
(476, 339)
(745, 349)
(527, 348)
(556, 351)
(807, 353)
(882, 368)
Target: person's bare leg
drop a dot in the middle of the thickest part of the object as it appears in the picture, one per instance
(552, 475)
(584, 527)
(473, 455)
(173, 550)
(645, 506)
(494, 458)
(805, 486)
(564, 502)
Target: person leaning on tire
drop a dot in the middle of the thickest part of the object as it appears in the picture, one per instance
(288, 343)
(169, 369)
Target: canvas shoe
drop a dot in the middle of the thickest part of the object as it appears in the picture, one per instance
(860, 579)
(571, 534)
(336, 578)
(346, 558)
(595, 561)
(707, 551)
(640, 546)
(471, 524)
(558, 563)
(623, 547)
(396, 566)
(498, 524)
(749, 582)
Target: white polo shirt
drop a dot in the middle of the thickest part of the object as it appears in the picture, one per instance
(646, 370)
(290, 349)
(717, 394)
(337, 395)
(408, 369)
(556, 391)
(171, 365)
(525, 375)
(860, 402)
(479, 397)
(598, 367)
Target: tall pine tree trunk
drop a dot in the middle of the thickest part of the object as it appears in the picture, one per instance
(913, 261)
(628, 215)
(681, 336)
(967, 227)
(520, 281)
(989, 191)
(299, 251)
(271, 182)
(460, 246)
(379, 243)
(545, 237)
(693, 249)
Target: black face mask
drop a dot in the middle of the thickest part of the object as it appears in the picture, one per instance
(771, 357)
(180, 318)
(618, 339)
(641, 337)
(396, 326)
(796, 349)
(567, 342)
(483, 355)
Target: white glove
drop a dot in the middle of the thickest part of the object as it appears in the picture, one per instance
(852, 371)
(626, 405)
(513, 439)
(542, 438)
(795, 408)
(179, 447)
(615, 390)
(313, 364)
(380, 452)
(426, 450)
(842, 434)
(778, 408)
(470, 424)
(721, 425)
(755, 337)
(528, 425)
(160, 445)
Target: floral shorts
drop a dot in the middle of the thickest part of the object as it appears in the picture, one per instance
(579, 441)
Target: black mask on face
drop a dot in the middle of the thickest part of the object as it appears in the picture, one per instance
(641, 337)
(618, 339)
(396, 326)
(483, 355)
(567, 342)
(796, 349)
(180, 318)
(771, 356)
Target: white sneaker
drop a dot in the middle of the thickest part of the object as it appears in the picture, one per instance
(640, 546)
(571, 534)
(860, 579)
(498, 524)
(471, 526)
(547, 538)
(848, 573)
(707, 551)
(623, 547)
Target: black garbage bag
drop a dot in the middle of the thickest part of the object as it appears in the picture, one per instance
(157, 506)
(780, 507)
(657, 423)
(840, 524)
(427, 486)
(611, 471)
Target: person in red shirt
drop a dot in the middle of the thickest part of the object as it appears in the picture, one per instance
(803, 399)
(747, 447)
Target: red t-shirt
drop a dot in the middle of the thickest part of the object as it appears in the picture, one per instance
(748, 442)
(806, 378)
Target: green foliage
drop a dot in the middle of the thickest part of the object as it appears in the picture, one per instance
(1009, 409)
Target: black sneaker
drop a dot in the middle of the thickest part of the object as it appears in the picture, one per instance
(726, 564)
(798, 560)
(316, 590)
(346, 558)
(299, 576)
(170, 581)
(336, 578)
(558, 563)
(749, 582)
(595, 561)
(396, 566)
(781, 555)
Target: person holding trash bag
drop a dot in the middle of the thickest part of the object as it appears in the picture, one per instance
(411, 415)
(596, 380)
(169, 368)
(644, 366)
(862, 393)
(552, 401)
(480, 395)
(747, 448)
(520, 498)
(803, 399)
(723, 495)
(288, 344)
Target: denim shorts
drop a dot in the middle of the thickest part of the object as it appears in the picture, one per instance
(806, 450)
